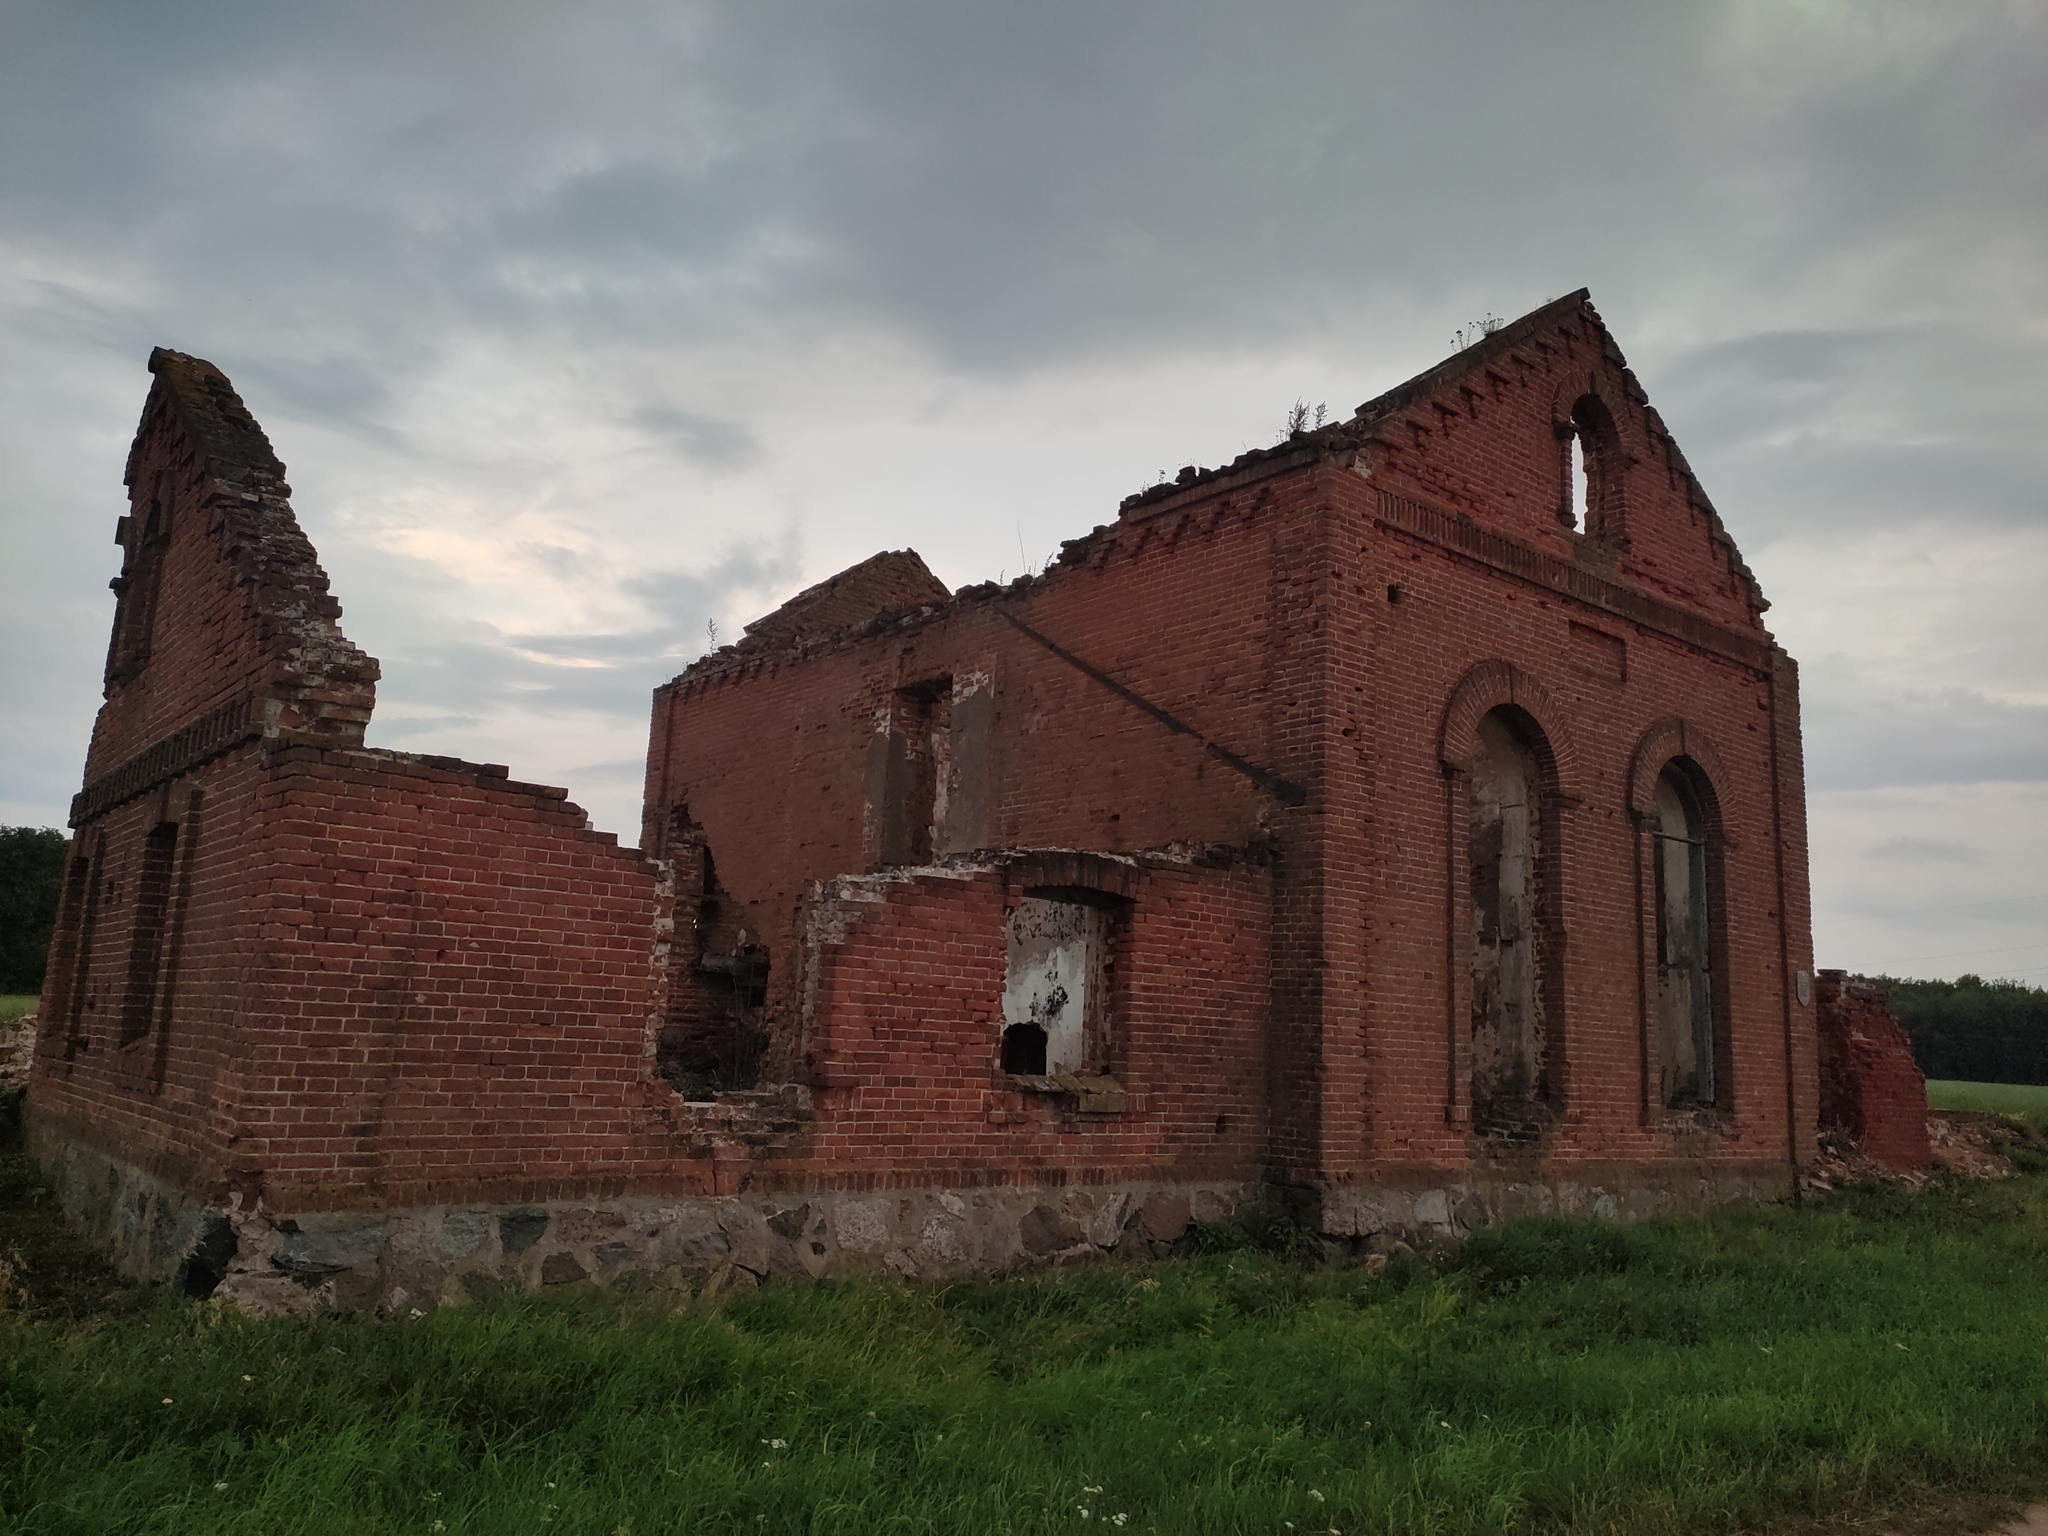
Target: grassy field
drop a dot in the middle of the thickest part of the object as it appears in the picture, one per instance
(1865, 1361)
(13, 1007)
(1999, 1098)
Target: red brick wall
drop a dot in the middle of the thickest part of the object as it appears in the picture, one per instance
(768, 754)
(165, 1101)
(1485, 443)
(1870, 1086)
(1255, 604)
(462, 979)
(407, 980)
(400, 980)
(908, 1001)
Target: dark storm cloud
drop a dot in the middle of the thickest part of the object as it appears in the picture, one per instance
(1006, 182)
(1817, 229)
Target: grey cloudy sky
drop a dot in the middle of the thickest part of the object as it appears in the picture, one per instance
(581, 328)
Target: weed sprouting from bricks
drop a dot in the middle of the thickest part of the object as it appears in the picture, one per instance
(1857, 1361)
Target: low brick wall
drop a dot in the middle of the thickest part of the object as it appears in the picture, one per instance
(428, 1256)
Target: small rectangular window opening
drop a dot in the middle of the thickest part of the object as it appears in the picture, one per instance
(1056, 987)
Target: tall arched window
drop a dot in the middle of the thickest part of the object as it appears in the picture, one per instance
(1688, 1048)
(1512, 926)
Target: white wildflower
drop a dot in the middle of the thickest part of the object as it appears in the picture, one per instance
(220, 1487)
(1316, 1494)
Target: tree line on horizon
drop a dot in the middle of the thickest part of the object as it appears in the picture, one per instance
(1972, 1030)
(31, 875)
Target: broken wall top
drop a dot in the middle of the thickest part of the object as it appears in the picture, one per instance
(893, 581)
(222, 608)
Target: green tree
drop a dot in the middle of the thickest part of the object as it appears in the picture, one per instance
(1973, 1030)
(31, 875)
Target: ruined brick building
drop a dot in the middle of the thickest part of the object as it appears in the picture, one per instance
(1405, 821)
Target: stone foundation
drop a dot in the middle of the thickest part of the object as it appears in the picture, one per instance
(430, 1256)
(425, 1257)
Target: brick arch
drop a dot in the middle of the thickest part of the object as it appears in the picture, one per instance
(1674, 737)
(1594, 405)
(1488, 686)
(1574, 385)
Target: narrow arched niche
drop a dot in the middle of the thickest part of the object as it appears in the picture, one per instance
(1512, 917)
(1591, 470)
(1690, 1053)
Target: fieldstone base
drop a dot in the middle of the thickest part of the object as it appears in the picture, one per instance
(423, 1258)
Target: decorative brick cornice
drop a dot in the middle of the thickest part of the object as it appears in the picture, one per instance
(1463, 536)
(206, 738)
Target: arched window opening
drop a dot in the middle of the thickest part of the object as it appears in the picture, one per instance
(1512, 1006)
(1687, 1046)
(1591, 497)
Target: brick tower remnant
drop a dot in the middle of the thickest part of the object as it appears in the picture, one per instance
(1405, 820)
(1871, 1088)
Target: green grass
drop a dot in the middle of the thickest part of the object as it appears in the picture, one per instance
(13, 1005)
(1880, 1356)
(1998, 1098)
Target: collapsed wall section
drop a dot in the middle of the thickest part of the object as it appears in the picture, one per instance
(1871, 1089)
(912, 981)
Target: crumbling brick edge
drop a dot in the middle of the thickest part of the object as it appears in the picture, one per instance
(422, 1258)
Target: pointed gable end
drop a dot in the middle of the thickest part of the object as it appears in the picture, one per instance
(223, 624)
(1540, 431)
